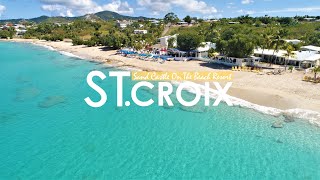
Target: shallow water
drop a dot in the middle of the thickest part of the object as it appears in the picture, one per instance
(66, 139)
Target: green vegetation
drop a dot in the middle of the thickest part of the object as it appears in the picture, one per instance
(289, 54)
(187, 19)
(7, 33)
(239, 40)
(106, 33)
(316, 71)
(171, 42)
(189, 40)
(290, 68)
(236, 42)
(171, 18)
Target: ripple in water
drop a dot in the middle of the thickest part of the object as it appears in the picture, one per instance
(51, 101)
(27, 93)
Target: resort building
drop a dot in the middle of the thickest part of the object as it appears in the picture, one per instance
(301, 59)
(310, 48)
(202, 51)
(137, 31)
(164, 40)
(232, 61)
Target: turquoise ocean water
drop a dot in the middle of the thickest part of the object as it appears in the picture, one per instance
(47, 131)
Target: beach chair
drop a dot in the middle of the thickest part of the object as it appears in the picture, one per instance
(244, 68)
(305, 78)
(233, 68)
(255, 70)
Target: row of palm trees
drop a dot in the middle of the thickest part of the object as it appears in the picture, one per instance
(271, 39)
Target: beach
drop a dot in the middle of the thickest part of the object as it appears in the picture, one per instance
(286, 91)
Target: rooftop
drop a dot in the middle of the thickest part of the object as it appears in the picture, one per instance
(310, 48)
(299, 55)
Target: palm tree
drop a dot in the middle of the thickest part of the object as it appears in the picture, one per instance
(288, 54)
(266, 42)
(316, 70)
(278, 42)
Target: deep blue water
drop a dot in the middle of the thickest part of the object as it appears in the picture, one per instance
(47, 131)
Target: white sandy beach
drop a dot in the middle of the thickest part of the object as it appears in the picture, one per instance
(284, 92)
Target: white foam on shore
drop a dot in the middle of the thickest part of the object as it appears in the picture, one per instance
(61, 52)
(312, 116)
(70, 54)
(45, 46)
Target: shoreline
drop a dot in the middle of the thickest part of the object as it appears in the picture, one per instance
(249, 90)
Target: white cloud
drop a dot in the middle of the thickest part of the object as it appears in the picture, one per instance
(62, 10)
(2, 9)
(82, 7)
(247, 1)
(118, 6)
(285, 10)
(52, 7)
(68, 13)
(302, 9)
(190, 6)
(241, 11)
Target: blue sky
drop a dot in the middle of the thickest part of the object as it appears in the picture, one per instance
(158, 8)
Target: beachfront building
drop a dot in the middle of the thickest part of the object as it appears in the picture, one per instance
(310, 48)
(301, 59)
(20, 32)
(138, 31)
(164, 41)
(232, 61)
(20, 29)
(202, 51)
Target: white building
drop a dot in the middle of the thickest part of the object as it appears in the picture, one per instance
(309, 19)
(153, 21)
(293, 41)
(20, 32)
(164, 40)
(304, 59)
(310, 48)
(202, 51)
(123, 24)
(138, 31)
(182, 23)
